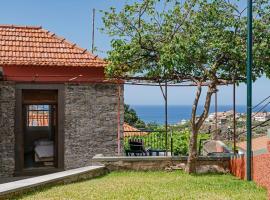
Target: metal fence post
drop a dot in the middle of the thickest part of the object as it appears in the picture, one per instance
(249, 89)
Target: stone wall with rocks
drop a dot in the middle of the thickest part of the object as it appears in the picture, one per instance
(7, 135)
(145, 163)
(90, 122)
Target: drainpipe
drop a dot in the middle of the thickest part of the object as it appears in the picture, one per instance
(119, 121)
(1, 74)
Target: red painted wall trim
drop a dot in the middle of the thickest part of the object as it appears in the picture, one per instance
(52, 74)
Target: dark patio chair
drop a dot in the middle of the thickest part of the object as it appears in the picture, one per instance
(136, 148)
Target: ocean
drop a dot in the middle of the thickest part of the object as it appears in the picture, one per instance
(176, 113)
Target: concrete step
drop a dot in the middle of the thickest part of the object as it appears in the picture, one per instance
(17, 187)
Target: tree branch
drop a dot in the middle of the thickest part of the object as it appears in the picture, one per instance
(204, 115)
(195, 105)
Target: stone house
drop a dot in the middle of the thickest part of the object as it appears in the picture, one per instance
(56, 108)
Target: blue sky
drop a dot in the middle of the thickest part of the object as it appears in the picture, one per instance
(72, 20)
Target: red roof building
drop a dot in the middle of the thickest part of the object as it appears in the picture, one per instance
(32, 53)
(56, 109)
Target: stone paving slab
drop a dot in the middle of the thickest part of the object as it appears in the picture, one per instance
(24, 185)
(11, 179)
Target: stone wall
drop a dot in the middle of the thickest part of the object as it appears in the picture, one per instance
(7, 135)
(145, 163)
(90, 122)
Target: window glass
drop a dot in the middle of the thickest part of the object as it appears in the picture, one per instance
(38, 115)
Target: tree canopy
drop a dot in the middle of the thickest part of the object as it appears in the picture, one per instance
(200, 41)
(131, 117)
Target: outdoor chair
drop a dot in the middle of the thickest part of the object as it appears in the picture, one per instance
(136, 148)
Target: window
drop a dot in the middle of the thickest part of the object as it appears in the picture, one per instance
(38, 115)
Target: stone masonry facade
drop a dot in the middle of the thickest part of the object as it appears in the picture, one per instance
(7, 135)
(90, 127)
(91, 119)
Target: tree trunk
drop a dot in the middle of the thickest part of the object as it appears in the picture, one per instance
(196, 125)
(192, 156)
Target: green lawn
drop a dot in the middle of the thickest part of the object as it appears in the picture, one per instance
(153, 185)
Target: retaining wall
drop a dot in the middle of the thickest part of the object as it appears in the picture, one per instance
(204, 164)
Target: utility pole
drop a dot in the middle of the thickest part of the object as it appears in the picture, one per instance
(249, 91)
(93, 29)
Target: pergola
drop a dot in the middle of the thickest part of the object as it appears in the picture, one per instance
(163, 84)
(249, 92)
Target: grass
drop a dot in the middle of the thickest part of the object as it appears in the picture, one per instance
(153, 185)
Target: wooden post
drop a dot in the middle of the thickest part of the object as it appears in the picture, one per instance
(216, 110)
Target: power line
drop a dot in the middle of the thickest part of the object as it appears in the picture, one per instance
(261, 109)
(260, 102)
(255, 127)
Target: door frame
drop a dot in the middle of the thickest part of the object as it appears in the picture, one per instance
(19, 146)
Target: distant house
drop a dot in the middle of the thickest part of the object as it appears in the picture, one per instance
(220, 116)
(211, 117)
(56, 109)
(261, 116)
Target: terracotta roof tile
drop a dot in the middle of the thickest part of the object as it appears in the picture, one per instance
(257, 143)
(132, 131)
(25, 45)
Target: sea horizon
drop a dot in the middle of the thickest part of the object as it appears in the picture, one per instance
(180, 105)
(177, 113)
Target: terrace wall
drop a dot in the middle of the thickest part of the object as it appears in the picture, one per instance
(204, 164)
(7, 121)
(91, 112)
